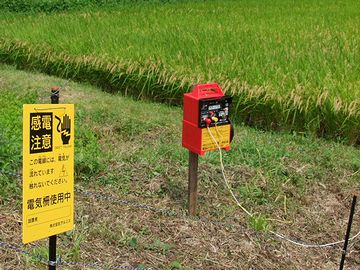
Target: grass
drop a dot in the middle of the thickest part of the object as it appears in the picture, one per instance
(132, 150)
(10, 154)
(288, 65)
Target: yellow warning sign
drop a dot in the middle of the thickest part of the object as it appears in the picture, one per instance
(221, 135)
(48, 170)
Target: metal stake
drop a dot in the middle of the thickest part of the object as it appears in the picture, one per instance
(193, 181)
(52, 252)
(347, 236)
(52, 239)
(55, 95)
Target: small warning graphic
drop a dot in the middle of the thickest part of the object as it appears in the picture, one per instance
(63, 172)
(64, 128)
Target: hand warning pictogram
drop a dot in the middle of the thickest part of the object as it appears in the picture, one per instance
(65, 128)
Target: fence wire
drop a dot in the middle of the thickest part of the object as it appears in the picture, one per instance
(10, 173)
(60, 262)
(172, 213)
(244, 229)
(162, 211)
(35, 257)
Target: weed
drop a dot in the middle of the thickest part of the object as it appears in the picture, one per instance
(175, 265)
(133, 242)
(40, 252)
(87, 152)
(160, 247)
(258, 222)
(253, 193)
(74, 252)
(116, 235)
(355, 165)
(145, 231)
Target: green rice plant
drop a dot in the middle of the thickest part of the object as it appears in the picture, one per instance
(287, 65)
(33, 6)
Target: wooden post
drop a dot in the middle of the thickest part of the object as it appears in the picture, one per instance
(193, 181)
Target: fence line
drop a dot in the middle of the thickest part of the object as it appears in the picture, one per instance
(172, 213)
(166, 212)
(270, 233)
(37, 257)
(59, 261)
(143, 206)
(10, 173)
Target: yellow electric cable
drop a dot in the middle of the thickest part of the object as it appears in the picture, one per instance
(223, 174)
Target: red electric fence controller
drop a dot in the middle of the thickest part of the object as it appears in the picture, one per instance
(206, 118)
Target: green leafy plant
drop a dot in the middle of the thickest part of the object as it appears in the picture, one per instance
(87, 153)
(133, 242)
(258, 222)
(175, 265)
(253, 193)
(160, 247)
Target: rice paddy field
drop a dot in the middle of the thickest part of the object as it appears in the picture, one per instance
(288, 64)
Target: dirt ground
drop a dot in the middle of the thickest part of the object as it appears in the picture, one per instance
(112, 233)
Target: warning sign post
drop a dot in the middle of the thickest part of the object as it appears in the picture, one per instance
(48, 170)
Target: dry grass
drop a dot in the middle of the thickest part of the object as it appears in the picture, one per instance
(108, 229)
